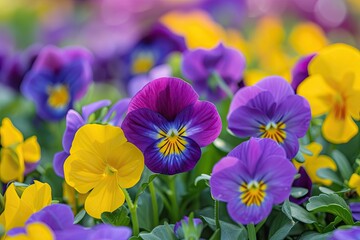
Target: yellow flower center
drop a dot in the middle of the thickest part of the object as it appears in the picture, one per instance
(340, 107)
(58, 96)
(172, 142)
(253, 192)
(109, 170)
(275, 131)
(143, 63)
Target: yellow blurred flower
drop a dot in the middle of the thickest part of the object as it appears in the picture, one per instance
(72, 197)
(35, 231)
(315, 162)
(15, 152)
(102, 160)
(333, 88)
(19, 209)
(354, 182)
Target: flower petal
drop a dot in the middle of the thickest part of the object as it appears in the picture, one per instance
(167, 96)
(278, 87)
(31, 149)
(73, 122)
(242, 97)
(291, 145)
(175, 162)
(58, 163)
(104, 231)
(118, 110)
(93, 107)
(12, 165)
(202, 121)
(105, 197)
(10, 135)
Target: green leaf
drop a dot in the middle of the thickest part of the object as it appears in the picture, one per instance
(228, 231)
(331, 203)
(216, 235)
(119, 217)
(286, 209)
(204, 177)
(332, 226)
(2, 203)
(280, 226)
(299, 157)
(298, 192)
(145, 211)
(342, 163)
(79, 216)
(144, 184)
(301, 214)
(327, 173)
(160, 233)
(326, 190)
(314, 236)
(2, 230)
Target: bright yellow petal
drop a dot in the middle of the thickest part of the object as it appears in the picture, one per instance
(324, 161)
(337, 130)
(31, 150)
(353, 104)
(37, 196)
(307, 38)
(39, 230)
(10, 135)
(252, 76)
(128, 160)
(12, 204)
(12, 165)
(197, 27)
(84, 169)
(354, 182)
(105, 197)
(336, 61)
(318, 93)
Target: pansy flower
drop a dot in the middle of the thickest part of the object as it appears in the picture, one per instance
(169, 124)
(58, 78)
(252, 178)
(103, 161)
(18, 157)
(305, 182)
(300, 71)
(74, 121)
(354, 182)
(352, 233)
(333, 89)
(270, 109)
(203, 67)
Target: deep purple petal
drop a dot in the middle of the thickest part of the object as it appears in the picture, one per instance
(58, 163)
(58, 217)
(341, 234)
(245, 121)
(242, 97)
(193, 67)
(73, 122)
(263, 102)
(278, 87)
(300, 70)
(295, 112)
(50, 58)
(172, 163)
(243, 214)
(202, 121)
(303, 181)
(93, 107)
(73, 233)
(16, 231)
(355, 210)
(167, 96)
(104, 231)
(142, 126)
(117, 111)
(291, 145)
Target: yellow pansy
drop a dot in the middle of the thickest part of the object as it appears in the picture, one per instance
(16, 152)
(19, 209)
(333, 88)
(103, 161)
(315, 162)
(354, 182)
(34, 231)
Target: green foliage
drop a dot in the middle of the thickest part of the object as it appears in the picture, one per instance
(161, 232)
(119, 217)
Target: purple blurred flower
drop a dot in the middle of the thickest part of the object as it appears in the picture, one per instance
(57, 79)
(303, 181)
(355, 210)
(74, 121)
(349, 234)
(200, 65)
(270, 109)
(300, 71)
(59, 218)
(16, 67)
(169, 124)
(152, 50)
(252, 178)
(179, 227)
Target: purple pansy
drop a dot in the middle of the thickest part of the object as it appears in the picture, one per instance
(179, 227)
(59, 218)
(300, 71)
(270, 109)
(57, 79)
(74, 121)
(349, 234)
(200, 65)
(303, 181)
(169, 124)
(355, 210)
(252, 178)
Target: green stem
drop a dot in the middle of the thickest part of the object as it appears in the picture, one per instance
(174, 204)
(216, 214)
(133, 213)
(251, 231)
(154, 204)
(222, 84)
